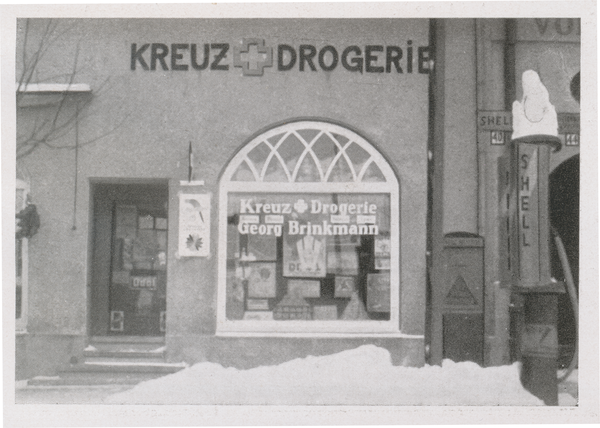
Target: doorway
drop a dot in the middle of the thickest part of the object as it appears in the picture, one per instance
(129, 261)
(564, 217)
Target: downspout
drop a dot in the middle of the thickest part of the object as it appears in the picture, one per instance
(510, 73)
(436, 184)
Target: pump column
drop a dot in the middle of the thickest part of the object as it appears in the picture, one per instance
(535, 134)
(539, 295)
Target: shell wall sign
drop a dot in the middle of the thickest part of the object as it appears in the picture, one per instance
(194, 225)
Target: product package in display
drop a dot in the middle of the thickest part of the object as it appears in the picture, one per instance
(261, 280)
(304, 256)
(355, 309)
(344, 286)
(325, 312)
(342, 261)
(304, 287)
(258, 316)
(382, 263)
(293, 307)
(257, 304)
(378, 292)
(262, 248)
(382, 247)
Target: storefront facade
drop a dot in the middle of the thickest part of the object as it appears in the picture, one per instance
(252, 191)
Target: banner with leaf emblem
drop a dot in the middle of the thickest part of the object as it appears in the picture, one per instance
(194, 225)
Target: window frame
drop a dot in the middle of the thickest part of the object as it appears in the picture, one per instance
(390, 187)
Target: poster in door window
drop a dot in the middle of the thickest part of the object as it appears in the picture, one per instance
(194, 225)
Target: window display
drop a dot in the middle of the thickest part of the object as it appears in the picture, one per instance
(324, 250)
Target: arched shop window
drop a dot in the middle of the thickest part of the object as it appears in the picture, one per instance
(309, 235)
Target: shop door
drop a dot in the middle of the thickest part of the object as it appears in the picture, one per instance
(129, 270)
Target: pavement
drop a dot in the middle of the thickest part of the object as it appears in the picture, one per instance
(568, 390)
(96, 394)
(67, 394)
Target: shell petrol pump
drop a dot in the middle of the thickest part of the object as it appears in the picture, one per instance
(526, 234)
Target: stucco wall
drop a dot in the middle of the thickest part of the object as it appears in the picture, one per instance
(460, 137)
(148, 118)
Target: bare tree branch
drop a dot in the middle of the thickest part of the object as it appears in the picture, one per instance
(52, 123)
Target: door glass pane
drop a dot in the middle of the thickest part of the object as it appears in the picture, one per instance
(138, 270)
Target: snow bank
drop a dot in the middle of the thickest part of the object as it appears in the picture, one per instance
(362, 376)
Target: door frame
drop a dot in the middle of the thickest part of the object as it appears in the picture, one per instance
(98, 316)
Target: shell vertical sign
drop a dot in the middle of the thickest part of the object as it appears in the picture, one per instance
(194, 225)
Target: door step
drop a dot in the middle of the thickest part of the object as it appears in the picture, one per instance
(120, 352)
(110, 362)
(128, 339)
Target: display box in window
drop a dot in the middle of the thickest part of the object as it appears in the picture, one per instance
(304, 256)
(382, 247)
(344, 286)
(355, 310)
(293, 307)
(305, 288)
(382, 263)
(344, 260)
(262, 282)
(378, 292)
(325, 312)
(257, 304)
(262, 248)
(258, 316)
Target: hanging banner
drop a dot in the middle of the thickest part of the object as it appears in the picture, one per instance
(194, 225)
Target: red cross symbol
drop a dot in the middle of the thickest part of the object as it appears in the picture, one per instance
(253, 57)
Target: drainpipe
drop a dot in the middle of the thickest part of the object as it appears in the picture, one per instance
(510, 73)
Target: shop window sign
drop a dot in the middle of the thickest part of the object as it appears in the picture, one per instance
(317, 252)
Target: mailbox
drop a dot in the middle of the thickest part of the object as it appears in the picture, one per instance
(461, 296)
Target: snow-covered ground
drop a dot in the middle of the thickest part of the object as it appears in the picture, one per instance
(361, 376)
